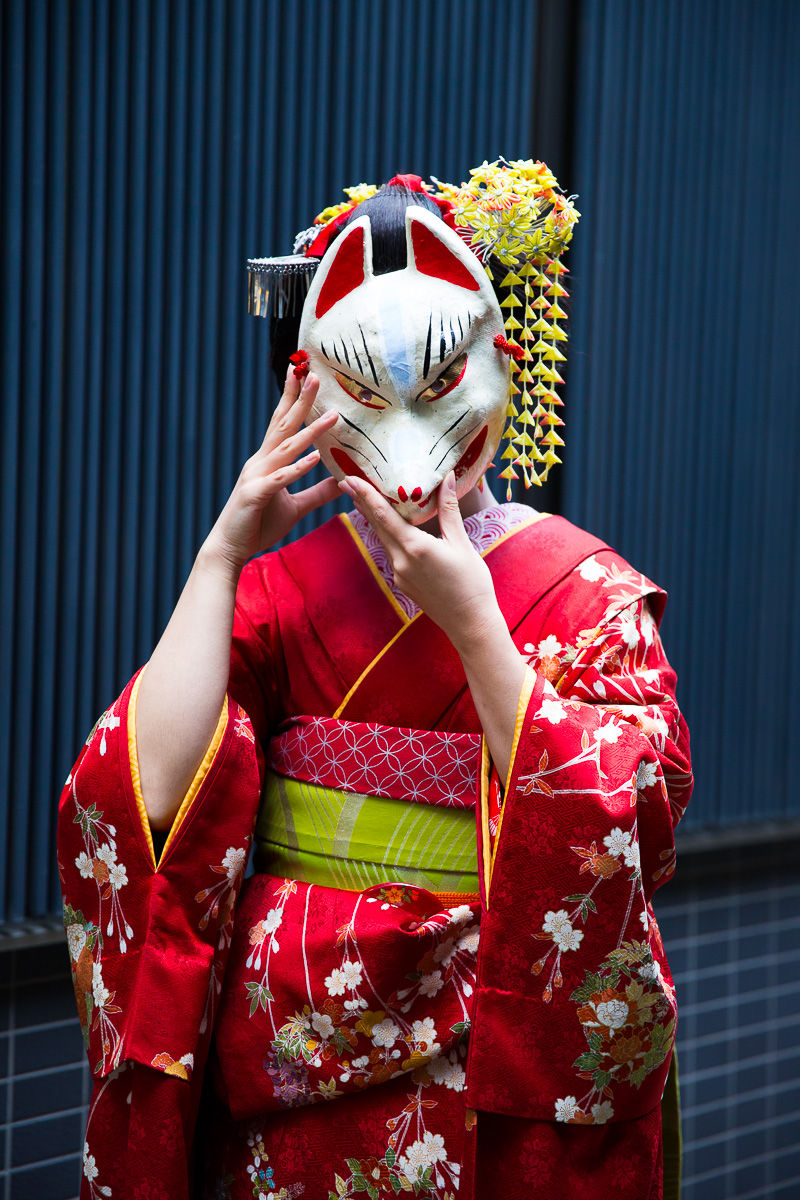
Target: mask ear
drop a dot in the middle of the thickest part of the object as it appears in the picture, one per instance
(344, 268)
(435, 250)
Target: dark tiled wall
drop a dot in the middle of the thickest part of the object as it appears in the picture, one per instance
(45, 1084)
(732, 927)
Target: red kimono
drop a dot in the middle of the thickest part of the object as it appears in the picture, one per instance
(391, 1040)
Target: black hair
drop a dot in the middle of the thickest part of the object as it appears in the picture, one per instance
(387, 217)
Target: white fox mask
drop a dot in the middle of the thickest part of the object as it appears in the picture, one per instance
(408, 361)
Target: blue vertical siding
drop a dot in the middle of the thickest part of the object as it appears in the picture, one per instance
(683, 444)
(147, 149)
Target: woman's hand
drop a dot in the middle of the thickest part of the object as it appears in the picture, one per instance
(260, 511)
(445, 577)
(450, 582)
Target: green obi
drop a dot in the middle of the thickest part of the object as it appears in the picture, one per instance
(345, 840)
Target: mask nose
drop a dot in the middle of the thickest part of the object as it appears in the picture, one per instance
(403, 495)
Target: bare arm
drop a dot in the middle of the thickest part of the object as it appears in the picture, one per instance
(452, 584)
(181, 692)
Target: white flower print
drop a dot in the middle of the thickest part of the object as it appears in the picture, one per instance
(632, 857)
(234, 861)
(628, 628)
(336, 982)
(429, 985)
(567, 938)
(552, 711)
(610, 733)
(352, 973)
(550, 647)
(84, 865)
(469, 939)
(107, 854)
(100, 992)
(650, 971)
(434, 1148)
(553, 921)
(461, 914)
(89, 1164)
(452, 1075)
(617, 841)
(424, 1032)
(566, 1108)
(612, 1013)
(76, 940)
(322, 1023)
(118, 875)
(602, 1112)
(646, 775)
(648, 626)
(444, 951)
(386, 1033)
(413, 1161)
(591, 570)
(645, 919)
(272, 920)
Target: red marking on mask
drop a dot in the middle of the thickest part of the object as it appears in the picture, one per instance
(433, 257)
(416, 494)
(345, 463)
(471, 454)
(403, 494)
(345, 273)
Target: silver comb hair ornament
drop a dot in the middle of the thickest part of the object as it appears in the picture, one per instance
(285, 280)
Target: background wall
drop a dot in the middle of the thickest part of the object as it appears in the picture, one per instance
(147, 148)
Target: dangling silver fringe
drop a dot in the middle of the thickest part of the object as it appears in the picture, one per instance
(286, 280)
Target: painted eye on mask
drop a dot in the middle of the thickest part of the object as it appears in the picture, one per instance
(361, 393)
(450, 378)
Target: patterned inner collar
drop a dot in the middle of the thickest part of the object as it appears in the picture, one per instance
(483, 529)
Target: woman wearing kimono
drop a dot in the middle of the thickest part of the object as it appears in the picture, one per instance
(450, 728)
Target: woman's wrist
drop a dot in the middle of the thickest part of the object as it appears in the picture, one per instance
(212, 560)
(483, 632)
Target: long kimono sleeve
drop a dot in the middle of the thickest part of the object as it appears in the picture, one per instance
(575, 1009)
(149, 937)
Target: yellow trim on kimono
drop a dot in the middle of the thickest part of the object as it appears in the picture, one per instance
(200, 774)
(374, 663)
(370, 561)
(408, 623)
(194, 787)
(133, 758)
(522, 707)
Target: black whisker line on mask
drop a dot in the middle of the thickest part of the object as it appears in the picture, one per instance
(358, 429)
(442, 339)
(460, 329)
(346, 355)
(355, 353)
(369, 357)
(457, 421)
(356, 450)
(456, 443)
(336, 352)
(452, 336)
(426, 366)
(324, 351)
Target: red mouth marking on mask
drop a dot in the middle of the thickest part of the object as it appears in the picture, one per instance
(345, 463)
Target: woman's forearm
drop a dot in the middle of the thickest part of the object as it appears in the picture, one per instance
(183, 688)
(495, 673)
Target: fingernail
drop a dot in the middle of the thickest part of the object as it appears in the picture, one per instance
(347, 488)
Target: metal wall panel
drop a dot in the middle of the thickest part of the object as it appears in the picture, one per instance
(683, 446)
(147, 149)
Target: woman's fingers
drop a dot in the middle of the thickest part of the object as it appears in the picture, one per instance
(312, 497)
(294, 407)
(390, 528)
(297, 443)
(261, 490)
(451, 522)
